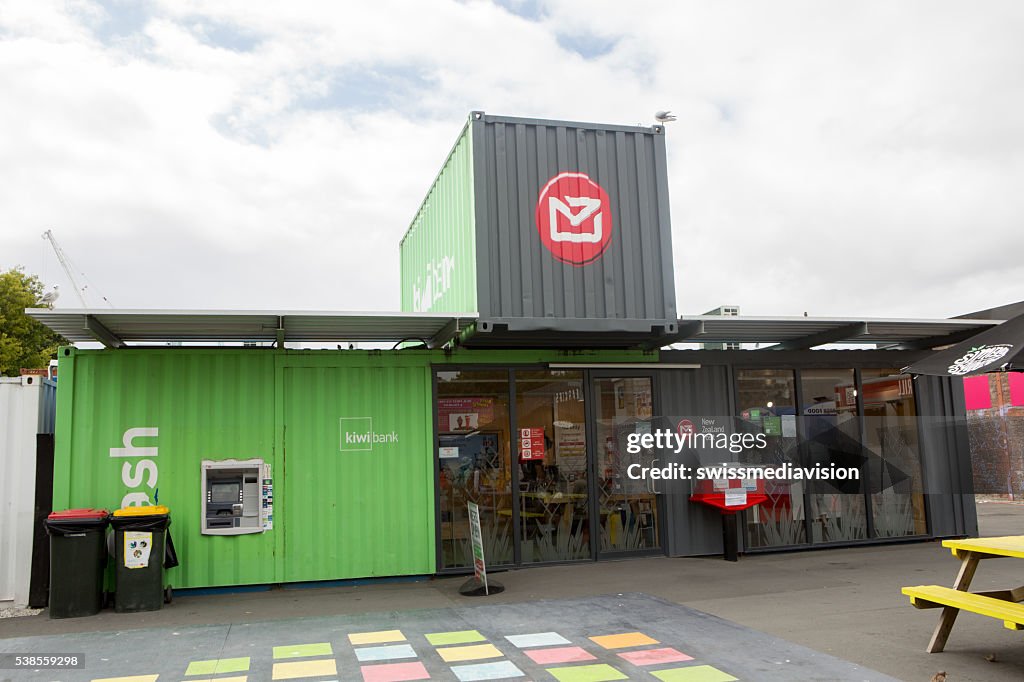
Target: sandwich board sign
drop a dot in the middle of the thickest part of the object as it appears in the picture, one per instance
(477, 541)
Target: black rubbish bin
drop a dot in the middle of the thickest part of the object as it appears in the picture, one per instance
(78, 558)
(139, 541)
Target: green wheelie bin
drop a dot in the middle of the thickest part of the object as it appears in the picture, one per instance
(139, 537)
(78, 557)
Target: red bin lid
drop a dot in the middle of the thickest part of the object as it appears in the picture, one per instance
(79, 514)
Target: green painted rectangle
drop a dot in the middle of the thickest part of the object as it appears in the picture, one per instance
(303, 650)
(438, 252)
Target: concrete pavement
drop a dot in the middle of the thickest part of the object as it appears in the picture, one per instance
(841, 602)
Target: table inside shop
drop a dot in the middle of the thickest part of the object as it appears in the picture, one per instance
(999, 604)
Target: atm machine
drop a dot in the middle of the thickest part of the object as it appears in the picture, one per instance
(232, 497)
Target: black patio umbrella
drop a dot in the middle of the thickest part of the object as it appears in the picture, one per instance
(993, 350)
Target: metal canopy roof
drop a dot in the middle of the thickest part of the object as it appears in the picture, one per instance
(116, 328)
(792, 333)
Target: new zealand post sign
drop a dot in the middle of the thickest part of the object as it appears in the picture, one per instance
(574, 218)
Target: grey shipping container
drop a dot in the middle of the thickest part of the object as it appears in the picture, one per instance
(552, 231)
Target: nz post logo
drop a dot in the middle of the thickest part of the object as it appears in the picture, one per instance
(357, 435)
(574, 218)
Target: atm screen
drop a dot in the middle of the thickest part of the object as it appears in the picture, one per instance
(225, 492)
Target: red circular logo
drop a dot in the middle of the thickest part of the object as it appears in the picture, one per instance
(574, 218)
(685, 426)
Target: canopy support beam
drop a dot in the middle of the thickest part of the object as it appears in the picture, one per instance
(843, 333)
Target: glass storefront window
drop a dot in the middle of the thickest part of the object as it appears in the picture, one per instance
(551, 440)
(766, 399)
(831, 434)
(890, 426)
(474, 457)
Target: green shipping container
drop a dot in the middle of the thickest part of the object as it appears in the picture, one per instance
(341, 510)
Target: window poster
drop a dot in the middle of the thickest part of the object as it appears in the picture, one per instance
(464, 414)
(531, 444)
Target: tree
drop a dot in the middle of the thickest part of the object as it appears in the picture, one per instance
(24, 342)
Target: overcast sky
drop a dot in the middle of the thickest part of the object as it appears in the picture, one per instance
(839, 158)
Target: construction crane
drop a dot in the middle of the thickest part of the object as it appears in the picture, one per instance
(65, 263)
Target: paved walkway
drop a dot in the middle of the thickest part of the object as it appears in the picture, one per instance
(632, 637)
(844, 603)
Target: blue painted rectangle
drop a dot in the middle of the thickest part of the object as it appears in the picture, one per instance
(487, 671)
(385, 653)
(537, 639)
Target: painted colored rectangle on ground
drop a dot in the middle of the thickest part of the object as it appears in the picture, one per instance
(561, 654)
(384, 653)
(460, 637)
(130, 678)
(537, 639)
(379, 637)
(299, 669)
(302, 650)
(240, 678)
(394, 672)
(218, 666)
(469, 653)
(601, 672)
(623, 640)
(693, 673)
(499, 670)
(655, 656)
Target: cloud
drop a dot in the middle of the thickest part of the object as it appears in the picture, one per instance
(831, 158)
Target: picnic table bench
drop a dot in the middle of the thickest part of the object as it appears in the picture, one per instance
(1002, 605)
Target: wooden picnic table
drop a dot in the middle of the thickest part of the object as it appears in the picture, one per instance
(1000, 604)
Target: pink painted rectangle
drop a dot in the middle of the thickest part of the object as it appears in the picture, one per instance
(1016, 380)
(394, 672)
(562, 654)
(655, 656)
(976, 393)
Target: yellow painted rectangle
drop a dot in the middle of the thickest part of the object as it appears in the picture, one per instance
(469, 653)
(458, 637)
(379, 637)
(623, 640)
(299, 669)
(241, 678)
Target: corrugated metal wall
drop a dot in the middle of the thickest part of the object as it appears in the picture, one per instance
(20, 420)
(692, 529)
(337, 514)
(438, 253)
(206, 405)
(514, 159)
(946, 456)
(368, 510)
(48, 406)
